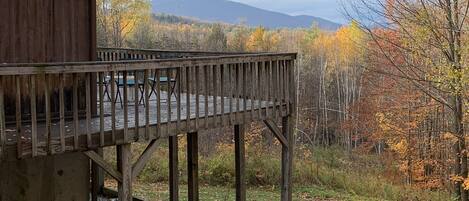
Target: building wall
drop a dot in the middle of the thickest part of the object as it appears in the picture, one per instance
(41, 31)
(47, 31)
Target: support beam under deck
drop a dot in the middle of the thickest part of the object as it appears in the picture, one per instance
(192, 167)
(240, 163)
(173, 169)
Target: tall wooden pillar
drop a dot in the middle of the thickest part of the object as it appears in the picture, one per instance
(287, 159)
(192, 167)
(173, 169)
(124, 165)
(240, 163)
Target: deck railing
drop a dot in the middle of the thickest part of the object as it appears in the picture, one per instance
(134, 95)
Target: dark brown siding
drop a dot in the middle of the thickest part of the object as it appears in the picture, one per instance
(38, 31)
(46, 30)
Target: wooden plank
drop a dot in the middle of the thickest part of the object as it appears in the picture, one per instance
(287, 159)
(173, 169)
(252, 97)
(197, 98)
(222, 93)
(215, 93)
(240, 163)
(88, 108)
(231, 93)
(136, 103)
(169, 99)
(62, 111)
(101, 108)
(178, 98)
(124, 157)
(126, 107)
(19, 131)
(192, 166)
(158, 103)
(34, 134)
(76, 124)
(2, 119)
(244, 93)
(238, 89)
(206, 78)
(143, 159)
(147, 103)
(188, 98)
(113, 106)
(94, 67)
(46, 84)
(277, 132)
(259, 87)
(96, 158)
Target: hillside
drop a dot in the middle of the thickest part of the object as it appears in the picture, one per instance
(235, 13)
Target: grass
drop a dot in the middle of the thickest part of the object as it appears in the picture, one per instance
(159, 192)
(320, 174)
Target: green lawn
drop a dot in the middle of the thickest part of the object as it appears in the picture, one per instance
(157, 192)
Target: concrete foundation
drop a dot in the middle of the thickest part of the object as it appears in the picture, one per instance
(54, 178)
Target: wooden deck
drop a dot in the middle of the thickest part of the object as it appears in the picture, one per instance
(53, 108)
(171, 122)
(143, 96)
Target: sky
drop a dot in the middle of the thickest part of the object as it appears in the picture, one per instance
(327, 9)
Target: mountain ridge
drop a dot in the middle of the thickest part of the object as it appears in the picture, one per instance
(237, 13)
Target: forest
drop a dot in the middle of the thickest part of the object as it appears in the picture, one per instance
(382, 102)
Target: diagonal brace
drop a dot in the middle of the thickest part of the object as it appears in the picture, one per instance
(103, 164)
(277, 132)
(143, 159)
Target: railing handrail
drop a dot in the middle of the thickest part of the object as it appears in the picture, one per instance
(99, 66)
(176, 51)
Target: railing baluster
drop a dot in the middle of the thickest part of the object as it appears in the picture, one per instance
(19, 130)
(101, 108)
(253, 86)
(126, 107)
(62, 111)
(207, 94)
(158, 102)
(259, 89)
(113, 105)
(48, 113)
(231, 93)
(88, 109)
(169, 92)
(178, 82)
(215, 95)
(238, 93)
(147, 103)
(136, 103)
(76, 124)
(222, 93)
(274, 88)
(284, 89)
(2, 119)
(33, 115)
(188, 98)
(197, 101)
(245, 95)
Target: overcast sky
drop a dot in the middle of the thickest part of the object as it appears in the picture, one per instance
(328, 9)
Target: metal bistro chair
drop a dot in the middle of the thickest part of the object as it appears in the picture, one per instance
(164, 80)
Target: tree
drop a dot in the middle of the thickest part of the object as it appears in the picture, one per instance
(216, 39)
(116, 19)
(427, 50)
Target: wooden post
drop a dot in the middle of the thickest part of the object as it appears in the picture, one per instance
(192, 167)
(287, 159)
(124, 165)
(240, 163)
(173, 169)
(97, 180)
